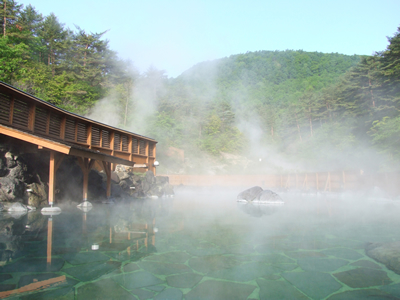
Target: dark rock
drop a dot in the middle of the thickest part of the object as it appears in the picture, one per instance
(387, 254)
(123, 175)
(37, 196)
(268, 195)
(123, 184)
(149, 175)
(11, 189)
(250, 194)
(114, 177)
(162, 180)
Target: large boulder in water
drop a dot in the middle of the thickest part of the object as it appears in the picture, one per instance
(268, 196)
(387, 254)
(250, 194)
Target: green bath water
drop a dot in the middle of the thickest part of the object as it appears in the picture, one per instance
(202, 244)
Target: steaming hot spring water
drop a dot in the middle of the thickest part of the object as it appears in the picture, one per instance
(203, 244)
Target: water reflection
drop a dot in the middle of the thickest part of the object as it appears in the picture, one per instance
(259, 210)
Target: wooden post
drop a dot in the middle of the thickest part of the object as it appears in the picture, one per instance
(49, 239)
(317, 183)
(107, 170)
(297, 181)
(85, 165)
(52, 177)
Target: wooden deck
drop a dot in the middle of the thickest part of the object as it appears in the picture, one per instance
(50, 128)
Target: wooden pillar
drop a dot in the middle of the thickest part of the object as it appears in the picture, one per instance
(52, 177)
(55, 162)
(49, 239)
(85, 165)
(107, 170)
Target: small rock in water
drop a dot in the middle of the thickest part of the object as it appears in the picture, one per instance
(250, 194)
(17, 207)
(268, 196)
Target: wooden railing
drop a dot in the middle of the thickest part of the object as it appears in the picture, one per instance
(25, 112)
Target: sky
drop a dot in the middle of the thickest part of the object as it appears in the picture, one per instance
(174, 35)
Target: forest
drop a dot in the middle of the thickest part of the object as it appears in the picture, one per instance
(264, 111)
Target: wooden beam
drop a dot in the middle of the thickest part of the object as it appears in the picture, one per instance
(15, 133)
(99, 156)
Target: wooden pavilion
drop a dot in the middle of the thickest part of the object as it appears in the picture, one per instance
(46, 127)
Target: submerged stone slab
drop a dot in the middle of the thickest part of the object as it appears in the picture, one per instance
(85, 257)
(363, 277)
(143, 294)
(321, 264)
(393, 289)
(103, 290)
(305, 254)
(135, 280)
(92, 271)
(33, 265)
(277, 290)
(186, 280)
(217, 290)
(156, 288)
(163, 268)
(170, 294)
(177, 257)
(362, 294)
(278, 268)
(64, 293)
(240, 249)
(273, 258)
(130, 267)
(317, 285)
(212, 263)
(7, 287)
(366, 264)
(243, 273)
(343, 253)
(4, 277)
